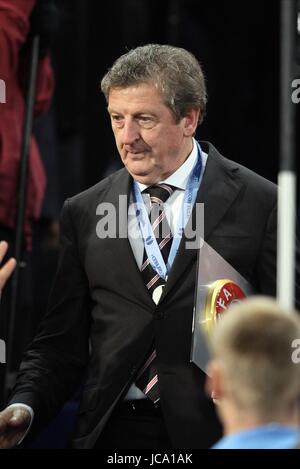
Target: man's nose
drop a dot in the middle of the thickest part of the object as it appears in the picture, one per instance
(130, 133)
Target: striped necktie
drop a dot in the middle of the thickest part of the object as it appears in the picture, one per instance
(147, 379)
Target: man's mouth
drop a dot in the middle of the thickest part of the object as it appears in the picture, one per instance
(136, 154)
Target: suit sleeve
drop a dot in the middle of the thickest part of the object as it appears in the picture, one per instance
(53, 367)
(267, 263)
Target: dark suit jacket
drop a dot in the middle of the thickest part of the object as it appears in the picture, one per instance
(99, 295)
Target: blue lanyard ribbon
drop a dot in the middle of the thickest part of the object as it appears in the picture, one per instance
(153, 252)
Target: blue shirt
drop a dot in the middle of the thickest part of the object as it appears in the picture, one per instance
(271, 436)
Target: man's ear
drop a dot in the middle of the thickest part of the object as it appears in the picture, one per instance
(213, 385)
(190, 122)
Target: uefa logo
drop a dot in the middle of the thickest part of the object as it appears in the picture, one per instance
(149, 241)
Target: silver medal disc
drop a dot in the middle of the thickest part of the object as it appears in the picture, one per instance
(157, 293)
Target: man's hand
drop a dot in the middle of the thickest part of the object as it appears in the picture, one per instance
(14, 421)
(7, 269)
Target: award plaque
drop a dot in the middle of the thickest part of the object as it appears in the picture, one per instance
(219, 285)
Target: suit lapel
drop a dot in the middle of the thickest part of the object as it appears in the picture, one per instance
(123, 254)
(219, 188)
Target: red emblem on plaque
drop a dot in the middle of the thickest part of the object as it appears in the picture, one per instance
(221, 294)
(229, 293)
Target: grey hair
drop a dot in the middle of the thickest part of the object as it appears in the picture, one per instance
(175, 71)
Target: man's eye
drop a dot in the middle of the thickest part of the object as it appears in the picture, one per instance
(117, 121)
(145, 121)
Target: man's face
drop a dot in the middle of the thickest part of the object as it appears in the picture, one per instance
(151, 144)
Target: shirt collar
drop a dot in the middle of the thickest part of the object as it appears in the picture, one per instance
(180, 178)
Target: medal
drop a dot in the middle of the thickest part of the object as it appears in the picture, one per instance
(157, 293)
(221, 295)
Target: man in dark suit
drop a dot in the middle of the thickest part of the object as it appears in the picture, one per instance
(121, 309)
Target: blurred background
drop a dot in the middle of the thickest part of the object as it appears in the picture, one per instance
(238, 45)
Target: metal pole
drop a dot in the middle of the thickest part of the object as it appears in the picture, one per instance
(21, 197)
(287, 175)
